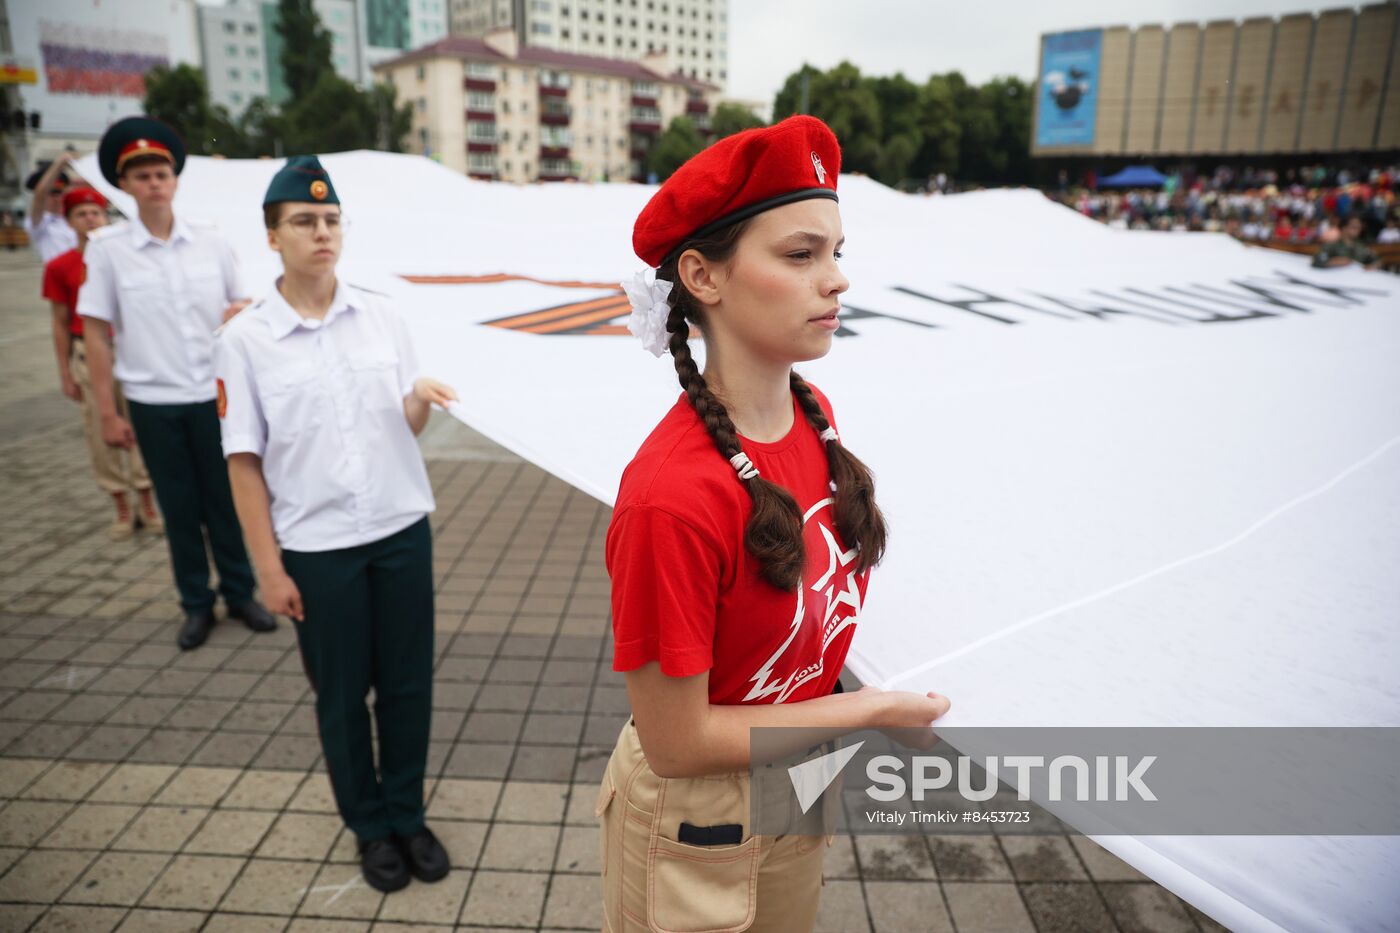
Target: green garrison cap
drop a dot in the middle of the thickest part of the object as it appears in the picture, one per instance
(132, 137)
(301, 179)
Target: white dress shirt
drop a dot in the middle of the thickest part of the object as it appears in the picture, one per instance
(321, 402)
(50, 236)
(164, 300)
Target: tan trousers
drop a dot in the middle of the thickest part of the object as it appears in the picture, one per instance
(117, 470)
(652, 882)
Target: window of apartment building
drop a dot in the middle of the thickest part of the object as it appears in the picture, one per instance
(507, 166)
(583, 36)
(525, 167)
(622, 144)
(481, 70)
(234, 74)
(563, 33)
(250, 29)
(231, 50)
(422, 72)
(554, 79)
(251, 51)
(230, 27)
(481, 100)
(505, 106)
(555, 167)
(236, 97)
(645, 88)
(541, 6)
(483, 162)
(255, 75)
(504, 136)
(480, 131)
(542, 29)
(423, 139)
(422, 105)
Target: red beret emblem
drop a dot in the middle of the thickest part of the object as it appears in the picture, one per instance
(821, 169)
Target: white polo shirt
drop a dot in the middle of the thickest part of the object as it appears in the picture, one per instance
(321, 402)
(50, 236)
(164, 300)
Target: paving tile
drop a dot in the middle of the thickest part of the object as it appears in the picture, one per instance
(270, 887)
(907, 905)
(1066, 907)
(842, 908)
(198, 786)
(169, 746)
(66, 919)
(321, 925)
(462, 839)
(532, 802)
(228, 749)
(464, 799)
(505, 898)
(520, 846)
(543, 763)
(193, 881)
(1043, 858)
(263, 790)
(90, 826)
(573, 901)
(987, 908)
(969, 858)
(231, 832)
(117, 878)
(1139, 907)
(1102, 864)
(580, 851)
(890, 858)
(440, 902)
(244, 923)
(340, 891)
(315, 795)
(25, 822)
(40, 876)
(161, 829)
(19, 916)
(147, 920)
(300, 836)
(68, 780)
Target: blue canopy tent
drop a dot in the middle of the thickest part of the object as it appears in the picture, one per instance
(1135, 176)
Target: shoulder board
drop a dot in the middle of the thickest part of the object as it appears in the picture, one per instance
(109, 231)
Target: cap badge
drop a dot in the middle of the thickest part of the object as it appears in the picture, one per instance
(319, 190)
(821, 169)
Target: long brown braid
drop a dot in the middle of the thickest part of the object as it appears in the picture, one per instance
(773, 535)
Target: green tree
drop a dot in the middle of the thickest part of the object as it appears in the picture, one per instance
(306, 46)
(939, 130)
(335, 116)
(729, 119)
(848, 104)
(1009, 102)
(180, 97)
(679, 142)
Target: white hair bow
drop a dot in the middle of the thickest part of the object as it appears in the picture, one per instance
(648, 296)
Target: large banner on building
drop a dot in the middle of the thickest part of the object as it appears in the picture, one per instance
(1068, 88)
(1133, 479)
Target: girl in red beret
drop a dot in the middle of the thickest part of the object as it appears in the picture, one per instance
(741, 542)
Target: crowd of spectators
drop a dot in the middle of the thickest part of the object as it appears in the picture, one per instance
(1300, 205)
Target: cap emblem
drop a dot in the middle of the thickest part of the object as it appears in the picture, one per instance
(319, 190)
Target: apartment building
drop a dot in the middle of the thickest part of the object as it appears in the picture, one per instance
(493, 108)
(694, 33)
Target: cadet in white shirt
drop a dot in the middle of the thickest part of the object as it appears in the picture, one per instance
(164, 284)
(319, 400)
(45, 225)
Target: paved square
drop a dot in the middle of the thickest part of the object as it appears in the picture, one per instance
(146, 789)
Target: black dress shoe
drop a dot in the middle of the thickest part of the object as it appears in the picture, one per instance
(383, 866)
(198, 623)
(426, 857)
(254, 615)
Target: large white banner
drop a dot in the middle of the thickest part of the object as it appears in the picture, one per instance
(1133, 478)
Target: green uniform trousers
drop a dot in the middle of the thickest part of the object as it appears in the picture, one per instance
(369, 623)
(185, 457)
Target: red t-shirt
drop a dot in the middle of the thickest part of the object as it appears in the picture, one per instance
(63, 276)
(687, 593)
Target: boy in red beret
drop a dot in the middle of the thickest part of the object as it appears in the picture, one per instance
(741, 542)
(118, 471)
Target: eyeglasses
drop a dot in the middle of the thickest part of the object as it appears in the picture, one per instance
(306, 224)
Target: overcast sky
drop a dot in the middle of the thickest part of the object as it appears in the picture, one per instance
(770, 39)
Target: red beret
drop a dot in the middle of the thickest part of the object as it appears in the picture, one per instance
(736, 178)
(82, 195)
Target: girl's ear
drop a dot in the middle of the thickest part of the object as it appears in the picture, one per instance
(697, 274)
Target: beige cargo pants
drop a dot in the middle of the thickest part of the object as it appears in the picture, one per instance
(653, 882)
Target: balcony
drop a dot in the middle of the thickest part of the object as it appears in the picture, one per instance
(556, 175)
(549, 91)
(479, 84)
(645, 127)
(553, 152)
(481, 145)
(481, 116)
(554, 117)
(482, 176)
(644, 100)
(697, 105)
